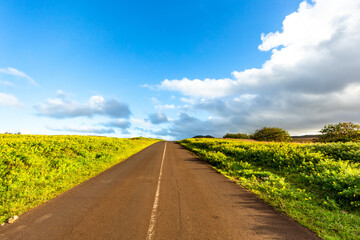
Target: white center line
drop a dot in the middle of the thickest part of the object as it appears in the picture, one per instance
(151, 230)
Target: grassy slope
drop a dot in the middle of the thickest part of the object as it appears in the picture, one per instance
(34, 169)
(305, 181)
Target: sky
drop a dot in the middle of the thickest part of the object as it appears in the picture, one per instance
(176, 69)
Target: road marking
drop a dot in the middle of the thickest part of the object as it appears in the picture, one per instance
(151, 230)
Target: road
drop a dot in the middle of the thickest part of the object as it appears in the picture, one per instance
(162, 192)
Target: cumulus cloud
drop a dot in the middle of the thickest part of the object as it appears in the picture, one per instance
(9, 100)
(311, 78)
(62, 108)
(122, 124)
(210, 88)
(83, 129)
(119, 123)
(61, 94)
(188, 126)
(17, 73)
(318, 52)
(157, 118)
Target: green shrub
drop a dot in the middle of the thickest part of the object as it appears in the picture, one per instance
(237, 135)
(271, 134)
(341, 132)
(349, 151)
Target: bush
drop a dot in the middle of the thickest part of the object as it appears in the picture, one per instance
(237, 135)
(307, 181)
(202, 136)
(271, 134)
(341, 132)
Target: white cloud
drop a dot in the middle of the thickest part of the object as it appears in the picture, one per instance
(187, 126)
(318, 52)
(96, 105)
(311, 79)
(188, 100)
(141, 123)
(157, 118)
(9, 100)
(83, 129)
(245, 98)
(119, 123)
(17, 73)
(209, 88)
(61, 94)
(143, 127)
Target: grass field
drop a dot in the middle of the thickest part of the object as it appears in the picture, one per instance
(34, 169)
(316, 184)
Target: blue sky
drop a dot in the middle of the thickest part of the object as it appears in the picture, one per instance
(175, 69)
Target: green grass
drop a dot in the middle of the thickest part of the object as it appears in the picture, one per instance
(34, 169)
(309, 182)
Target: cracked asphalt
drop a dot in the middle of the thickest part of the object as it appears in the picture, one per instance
(195, 202)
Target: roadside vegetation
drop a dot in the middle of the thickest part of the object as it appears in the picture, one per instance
(34, 169)
(317, 184)
(340, 132)
(264, 134)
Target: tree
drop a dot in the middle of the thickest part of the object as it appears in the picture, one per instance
(341, 132)
(271, 134)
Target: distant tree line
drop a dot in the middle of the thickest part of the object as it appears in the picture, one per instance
(202, 136)
(340, 132)
(237, 135)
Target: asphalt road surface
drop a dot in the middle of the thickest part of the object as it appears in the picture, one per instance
(162, 192)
